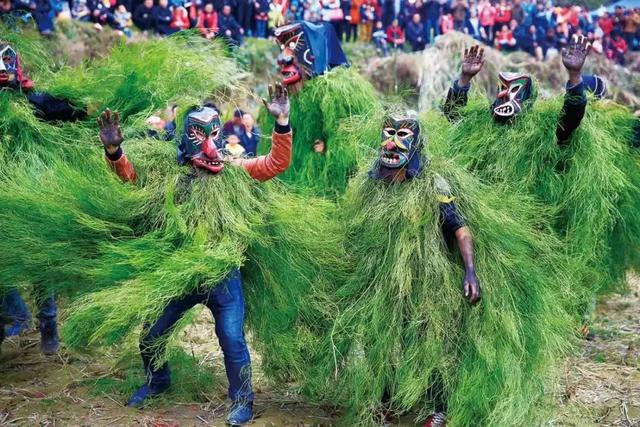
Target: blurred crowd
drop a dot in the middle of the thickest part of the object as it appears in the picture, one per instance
(539, 28)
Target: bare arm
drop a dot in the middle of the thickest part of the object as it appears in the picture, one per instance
(470, 286)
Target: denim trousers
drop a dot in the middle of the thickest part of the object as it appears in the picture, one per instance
(226, 302)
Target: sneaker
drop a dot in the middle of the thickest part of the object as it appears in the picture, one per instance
(144, 394)
(240, 414)
(16, 328)
(49, 341)
(437, 419)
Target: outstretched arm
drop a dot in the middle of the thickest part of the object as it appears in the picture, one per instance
(453, 225)
(472, 62)
(263, 168)
(575, 101)
(111, 138)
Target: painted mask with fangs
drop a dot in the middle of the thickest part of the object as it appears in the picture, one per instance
(202, 144)
(514, 95)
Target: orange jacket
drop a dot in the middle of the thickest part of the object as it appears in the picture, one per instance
(261, 168)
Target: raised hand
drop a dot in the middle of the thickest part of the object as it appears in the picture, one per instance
(110, 133)
(472, 62)
(573, 57)
(278, 103)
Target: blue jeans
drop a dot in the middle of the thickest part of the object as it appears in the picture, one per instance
(226, 302)
(14, 307)
(431, 24)
(261, 29)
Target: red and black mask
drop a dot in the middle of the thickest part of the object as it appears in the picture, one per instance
(295, 59)
(202, 143)
(515, 93)
(11, 74)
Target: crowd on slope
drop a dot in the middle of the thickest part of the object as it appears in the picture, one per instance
(537, 27)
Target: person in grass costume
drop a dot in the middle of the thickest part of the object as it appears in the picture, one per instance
(47, 108)
(176, 234)
(324, 91)
(411, 329)
(573, 158)
(203, 148)
(32, 129)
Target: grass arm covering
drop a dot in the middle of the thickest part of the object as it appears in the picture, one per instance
(402, 330)
(592, 184)
(316, 113)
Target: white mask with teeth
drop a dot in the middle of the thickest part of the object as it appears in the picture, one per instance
(514, 93)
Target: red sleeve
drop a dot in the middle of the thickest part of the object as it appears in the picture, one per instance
(264, 168)
(123, 168)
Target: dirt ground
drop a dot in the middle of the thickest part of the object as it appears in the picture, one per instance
(600, 386)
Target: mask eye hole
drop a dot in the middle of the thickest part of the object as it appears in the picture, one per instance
(198, 135)
(389, 132)
(292, 45)
(515, 89)
(281, 47)
(404, 133)
(6, 59)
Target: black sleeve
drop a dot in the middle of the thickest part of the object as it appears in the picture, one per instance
(635, 142)
(575, 103)
(456, 99)
(50, 108)
(450, 220)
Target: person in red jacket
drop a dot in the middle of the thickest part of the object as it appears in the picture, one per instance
(395, 35)
(606, 24)
(208, 21)
(505, 41)
(617, 48)
(503, 16)
(180, 19)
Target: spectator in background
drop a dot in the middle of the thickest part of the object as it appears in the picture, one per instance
(235, 125)
(616, 48)
(367, 18)
(432, 12)
(43, 14)
(5, 7)
(162, 17)
(541, 21)
(505, 40)
(606, 24)
(208, 21)
(549, 44)
(261, 16)
(395, 35)
(143, 16)
(234, 147)
(517, 11)
(446, 23)
(380, 40)
(180, 19)
(459, 12)
(503, 16)
(354, 20)
(244, 14)
(229, 27)
(123, 18)
(415, 33)
(250, 135)
(529, 43)
(631, 23)
(487, 20)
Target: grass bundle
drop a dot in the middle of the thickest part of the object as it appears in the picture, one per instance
(591, 184)
(401, 336)
(317, 111)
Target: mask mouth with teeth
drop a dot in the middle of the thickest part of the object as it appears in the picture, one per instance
(514, 95)
(202, 142)
(400, 145)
